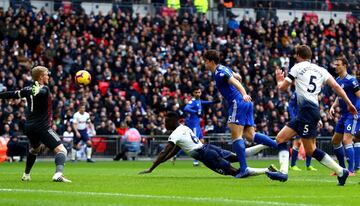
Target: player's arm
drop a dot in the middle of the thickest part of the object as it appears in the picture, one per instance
(333, 106)
(282, 83)
(237, 76)
(189, 109)
(340, 91)
(172, 153)
(169, 147)
(235, 82)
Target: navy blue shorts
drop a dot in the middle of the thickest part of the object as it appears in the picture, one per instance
(213, 157)
(306, 122)
(83, 136)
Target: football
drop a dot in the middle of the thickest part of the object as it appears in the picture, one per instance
(82, 77)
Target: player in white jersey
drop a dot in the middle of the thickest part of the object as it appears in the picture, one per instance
(80, 121)
(211, 156)
(309, 79)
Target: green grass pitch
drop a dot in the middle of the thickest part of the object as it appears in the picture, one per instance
(117, 183)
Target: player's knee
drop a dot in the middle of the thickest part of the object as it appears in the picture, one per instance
(335, 141)
(60, 149)
(89, 143)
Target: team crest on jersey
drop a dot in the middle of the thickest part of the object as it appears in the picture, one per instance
(354, 83)
(342, 86)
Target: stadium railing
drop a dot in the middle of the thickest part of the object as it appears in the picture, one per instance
(151, 145)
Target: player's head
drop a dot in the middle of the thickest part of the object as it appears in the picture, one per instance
(211, 58)
(196, 92)
(303, 53)
(40, 74)
(82, 108)
(341, 64)
(171, 121)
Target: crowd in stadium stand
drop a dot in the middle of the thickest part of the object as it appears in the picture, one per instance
(150, 64)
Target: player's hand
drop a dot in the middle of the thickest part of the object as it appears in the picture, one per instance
(247, 98)
(199, 113)
(145, 172)
(352, 109)
(279, 75)
(331, 112)
(35, 88)
(320, 124)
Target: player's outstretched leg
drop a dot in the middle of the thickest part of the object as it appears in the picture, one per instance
(265, 140)
(60, 158)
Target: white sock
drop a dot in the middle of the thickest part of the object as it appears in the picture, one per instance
(257, 171)
(331, 164)
(284, 161)
(88, 152)
(73, 153)
(255, 149)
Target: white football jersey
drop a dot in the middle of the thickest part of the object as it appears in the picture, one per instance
(309, 79)
(185, 138)
(81, 120)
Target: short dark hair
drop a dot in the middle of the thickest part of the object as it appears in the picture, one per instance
(343, 60)
(303, 51)
(212, 55)
(171, 120)
(195, 88)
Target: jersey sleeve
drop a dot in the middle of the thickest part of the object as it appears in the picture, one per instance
(292, 74)
(173, 138)
(226, 73)
(326, 75)
(75, 118)
(355, 85)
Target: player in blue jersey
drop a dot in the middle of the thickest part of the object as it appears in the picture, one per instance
(213, 157)
(194, 110)
(293, 109)
(348, 123)
(309, 78)
(240, 119)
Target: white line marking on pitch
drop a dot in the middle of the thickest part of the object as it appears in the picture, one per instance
(166, 197)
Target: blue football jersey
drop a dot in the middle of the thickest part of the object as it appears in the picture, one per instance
(350, 86)
(194, 111)
(227, 90)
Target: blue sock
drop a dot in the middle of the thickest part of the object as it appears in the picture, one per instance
(318, 154)
(265, 140)
(357, 155)
(349, 151)
(339, 153)
(308, 160)
(294, 156)
(239, 148)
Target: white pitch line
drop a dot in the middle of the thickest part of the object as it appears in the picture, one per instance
(164, 197)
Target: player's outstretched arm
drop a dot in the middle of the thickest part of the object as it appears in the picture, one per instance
(240, 88)
(172, 153)
(339, 91)
(161, 158)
